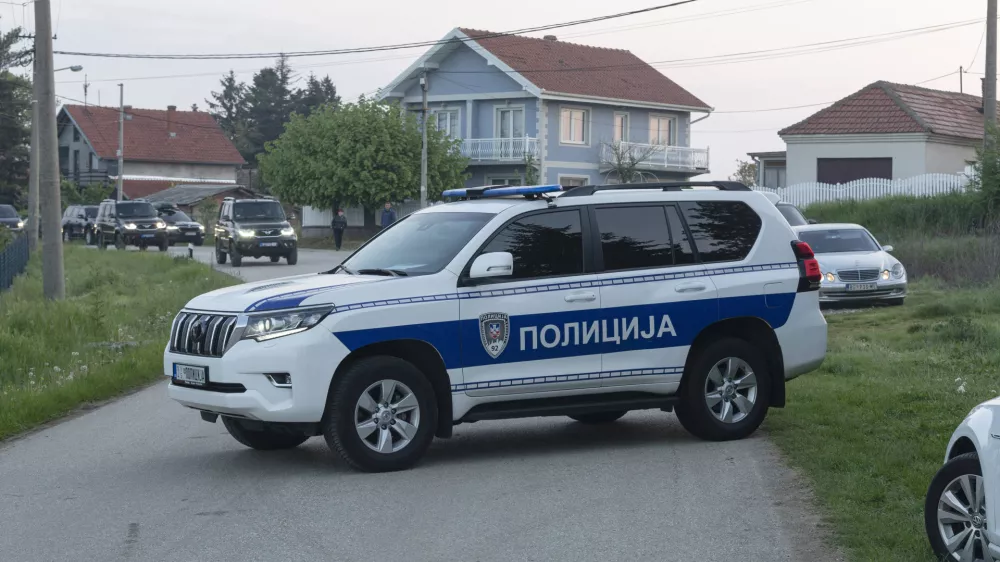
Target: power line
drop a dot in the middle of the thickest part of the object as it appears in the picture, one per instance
(952, 73)
(979, 46)
(394, 47)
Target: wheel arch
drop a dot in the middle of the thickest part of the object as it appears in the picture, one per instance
(758, 333)
(961, 446)
(422, 355)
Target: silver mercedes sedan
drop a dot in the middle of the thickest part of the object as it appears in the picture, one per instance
(855, 266)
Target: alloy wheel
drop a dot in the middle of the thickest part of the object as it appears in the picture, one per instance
(387, 416)
(961, 519)
(731, 390)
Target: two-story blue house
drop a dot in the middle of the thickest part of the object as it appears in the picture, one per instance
(566, 105)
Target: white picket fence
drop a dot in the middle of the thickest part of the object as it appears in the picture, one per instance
(927, 185)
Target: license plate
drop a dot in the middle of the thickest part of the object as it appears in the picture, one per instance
(190, 374)
(854, 287)
(268, 244)
(190, 233)
(148, 235)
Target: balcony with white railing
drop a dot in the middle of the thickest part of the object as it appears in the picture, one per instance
(499, 150)
(656, 157)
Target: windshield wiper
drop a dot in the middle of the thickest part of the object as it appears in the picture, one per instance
(343, 268)
(381, 271)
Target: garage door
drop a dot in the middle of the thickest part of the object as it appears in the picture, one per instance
(843, 170)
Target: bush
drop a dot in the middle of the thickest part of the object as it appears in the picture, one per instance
(954, 214)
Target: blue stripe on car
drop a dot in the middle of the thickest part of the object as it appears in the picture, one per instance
(566, 378)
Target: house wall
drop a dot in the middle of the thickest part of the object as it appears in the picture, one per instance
(172, 170)
(945, 158)
(465, 72)
(908, 153)
(66, 140)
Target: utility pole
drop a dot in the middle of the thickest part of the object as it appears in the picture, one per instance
(961, 74)
(33, 164)
(423, 148)
(121, 137)
(53, 276)
(990, 82)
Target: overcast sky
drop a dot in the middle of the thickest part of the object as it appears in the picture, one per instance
(217, 26)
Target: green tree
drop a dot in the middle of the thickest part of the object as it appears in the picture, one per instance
(91, 194)
(530, 170)
(15, 119)
(986, 177)
(270, 103)
(316, 94)
(229, 108)
(363, 153)
(746, 173)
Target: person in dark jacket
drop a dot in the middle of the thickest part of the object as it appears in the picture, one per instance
(339, 224)
(388, 216)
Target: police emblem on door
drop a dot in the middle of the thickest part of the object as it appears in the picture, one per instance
(494, 329)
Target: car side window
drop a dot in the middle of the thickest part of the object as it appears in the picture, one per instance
(722, 230)
(634, 237)
(68, 212)
(683, 248)
(543, 245)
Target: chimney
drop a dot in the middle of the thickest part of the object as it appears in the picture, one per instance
(126, 109)
(171, 115)
(550, 38)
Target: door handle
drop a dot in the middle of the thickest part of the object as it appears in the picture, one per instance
(690, 287)
(580, 297)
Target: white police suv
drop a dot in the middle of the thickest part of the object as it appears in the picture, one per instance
(515, 302)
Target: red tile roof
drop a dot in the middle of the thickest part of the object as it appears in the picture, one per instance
(137, 189)
(604, 73)
(886, 108)
(199, 139)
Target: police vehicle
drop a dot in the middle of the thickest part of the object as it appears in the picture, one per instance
(515, 302)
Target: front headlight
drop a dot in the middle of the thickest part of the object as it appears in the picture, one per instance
(288, 231)
(161, 224)
(172, 227)
(130, 226)
(897, 271)
(266, 326)
(829, 278)
(201, 227)
(20, 224)
(246, 233)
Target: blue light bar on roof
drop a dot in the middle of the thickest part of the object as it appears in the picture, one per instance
(490, 191)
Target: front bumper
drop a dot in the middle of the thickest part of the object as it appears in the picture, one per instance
(238, 382)
(148, 238)
(277, 246)
(884, 290)
(179, 236)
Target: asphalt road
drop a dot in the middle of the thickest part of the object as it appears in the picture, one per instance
(144, 479)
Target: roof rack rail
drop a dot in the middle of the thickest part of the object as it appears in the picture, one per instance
(490, 191)
(228, 198)
(585, 190)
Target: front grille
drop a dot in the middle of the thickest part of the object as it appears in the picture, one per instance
(268, 231)
(858, 274)
(146, 227)
(202, 334)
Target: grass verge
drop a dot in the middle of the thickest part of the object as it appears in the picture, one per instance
(104, 339)
(870, 427)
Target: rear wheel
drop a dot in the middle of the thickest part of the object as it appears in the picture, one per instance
(119, 241)
(955, 511)
(235, 256)
(293, 258)
(164, 245)
(724, 394)
(263, 439)
(274, 259)
(89, 236)
(599, 417)
(220, 256)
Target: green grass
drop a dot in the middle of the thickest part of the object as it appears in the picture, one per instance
(955, 214)
(869, 429)
(104, 339)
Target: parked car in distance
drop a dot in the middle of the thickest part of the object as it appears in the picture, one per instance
(794, 215)
(130, 223)
(854, 265)
(960, 516)
(180, 227)
(78, 221)
(10, 219)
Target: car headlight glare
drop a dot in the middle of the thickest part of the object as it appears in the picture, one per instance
(161, 224)
(266, 326)
(897, 271)
(130, 226)
(829, 278)
(20, 224)
(201, 227)
(246, 233)
(885, 275)
(172, 227)
(288, 231)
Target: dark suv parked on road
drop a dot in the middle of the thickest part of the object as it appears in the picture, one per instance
(78, 222)
(254, 228)
(180, 227)
(130, 223)
(10, 219)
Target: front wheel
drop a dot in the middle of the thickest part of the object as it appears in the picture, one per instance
(119, 241)
(235, 256)
(89, 236)
(955, 511)
(101, 244)
(274, 259)
(220, 256)
(724, 394)
(264, 439)
(599, 417)
(164, 245)
(293, 258)
(381, 415)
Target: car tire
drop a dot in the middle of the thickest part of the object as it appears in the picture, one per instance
(235, 256)
(101, 245)
(598, 418)
(264, 439)
(89, 237)
(896, 302)
(199, 242)
(164, 246)
(293, 258)
(220, 256)
(347, 410)
(947, 479)
(274, 259)
(119, 241)
(742, 392)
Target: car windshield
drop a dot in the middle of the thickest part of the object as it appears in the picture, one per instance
(836, 241)
(7, 212)
(792, 215)
(419, 244)
(176, 216)
(135, 210)
(90, 212)
(258, 210)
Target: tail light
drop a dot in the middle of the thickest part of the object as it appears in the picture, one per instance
(810, 275)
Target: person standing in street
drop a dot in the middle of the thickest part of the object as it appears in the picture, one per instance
(388, 216)
(339, 225)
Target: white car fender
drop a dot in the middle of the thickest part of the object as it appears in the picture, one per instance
(981, 429)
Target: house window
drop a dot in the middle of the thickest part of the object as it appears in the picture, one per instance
(573, 126)
(573, 181)
(503, 181)
(94, 163)
(76, 134)
(510, 122)
(662, 130)
(621, 127)
(774, 176)
(447, 121)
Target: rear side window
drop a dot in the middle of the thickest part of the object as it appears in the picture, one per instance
(722, 230)
(683, 249)
(543, 245)
(634, 237)
(792, 215)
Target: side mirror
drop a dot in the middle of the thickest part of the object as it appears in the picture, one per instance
(493, 264)
(887, 248)
(812, 221)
